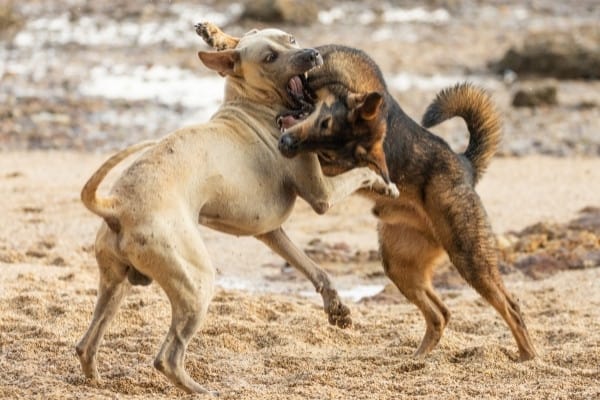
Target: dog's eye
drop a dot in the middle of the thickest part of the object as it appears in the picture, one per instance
(326, 123)
(272, 56)
(292, 40)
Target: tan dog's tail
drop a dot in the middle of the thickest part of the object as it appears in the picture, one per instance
(105, 207)
(475, 106)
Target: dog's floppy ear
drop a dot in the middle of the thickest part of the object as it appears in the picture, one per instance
(364, 105)
(224, 62)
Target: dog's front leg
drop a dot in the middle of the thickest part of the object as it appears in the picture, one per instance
(215, 37)
(281, 244)
(322, 192)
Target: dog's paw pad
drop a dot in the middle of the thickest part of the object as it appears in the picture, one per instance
(206, 30)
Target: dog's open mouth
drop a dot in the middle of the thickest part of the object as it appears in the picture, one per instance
(286, 121)
(297, 90)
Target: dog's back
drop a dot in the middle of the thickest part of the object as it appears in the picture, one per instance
(346, 69)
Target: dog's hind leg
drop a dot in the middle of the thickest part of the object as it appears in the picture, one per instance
(113, 287)
(462, 228)
(409, 257)
(281, 244)
(179, 263)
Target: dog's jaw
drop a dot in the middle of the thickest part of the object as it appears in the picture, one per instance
(297, 87)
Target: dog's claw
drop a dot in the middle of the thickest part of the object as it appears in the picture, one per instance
(393, 191)
(389, 189)
(202, 30)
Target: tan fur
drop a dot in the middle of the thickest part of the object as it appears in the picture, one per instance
(104, 206)
(226, 174)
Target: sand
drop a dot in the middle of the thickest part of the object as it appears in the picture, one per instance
(271, 340)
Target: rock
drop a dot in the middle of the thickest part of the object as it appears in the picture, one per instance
(446, 276)
(339, 252)
(589, 219)
(535, 96)
(300, 12)
(388, 295)
(539, 266)
(563, 55)
(543, 249)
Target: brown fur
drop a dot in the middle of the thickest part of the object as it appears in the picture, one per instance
(438, 210)
(483, 122)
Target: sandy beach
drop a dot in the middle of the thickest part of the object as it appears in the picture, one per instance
(80, 80)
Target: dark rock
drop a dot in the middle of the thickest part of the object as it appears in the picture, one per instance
(539, 266)
(589, 219)
(300, 12)
(535, 97)
(340, 252)
(543, 249)
(563, 55)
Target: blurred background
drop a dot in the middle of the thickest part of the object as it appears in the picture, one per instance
(97, 75)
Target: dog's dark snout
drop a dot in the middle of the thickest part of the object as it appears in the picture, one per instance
(286, 142)
(311, 56)
(315, 57)
(287, 145)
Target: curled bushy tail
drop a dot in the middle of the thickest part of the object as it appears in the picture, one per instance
(105, 207)
(475, 106)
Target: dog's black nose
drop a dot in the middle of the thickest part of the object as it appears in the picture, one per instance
(287, 145)
(315, 57)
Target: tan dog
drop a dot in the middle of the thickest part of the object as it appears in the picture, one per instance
(226, 174)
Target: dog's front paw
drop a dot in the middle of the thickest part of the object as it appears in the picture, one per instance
(386, 189)
(338, 313)
(207, 31)
(340, 316)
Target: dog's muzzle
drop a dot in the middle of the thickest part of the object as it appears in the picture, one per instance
(288, 146)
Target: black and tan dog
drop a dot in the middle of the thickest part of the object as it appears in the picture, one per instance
(358, 122)
(438, 211)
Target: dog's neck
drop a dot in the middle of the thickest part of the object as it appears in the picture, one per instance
(236, 90)
(255, 120)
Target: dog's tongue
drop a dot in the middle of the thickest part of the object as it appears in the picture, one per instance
(295, 85)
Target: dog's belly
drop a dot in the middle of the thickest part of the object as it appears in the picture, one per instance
(247, 215)
(402, 211)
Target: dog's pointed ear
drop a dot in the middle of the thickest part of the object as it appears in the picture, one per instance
(364, 105)
(224, 62)
(370, 105)
(354, 100)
